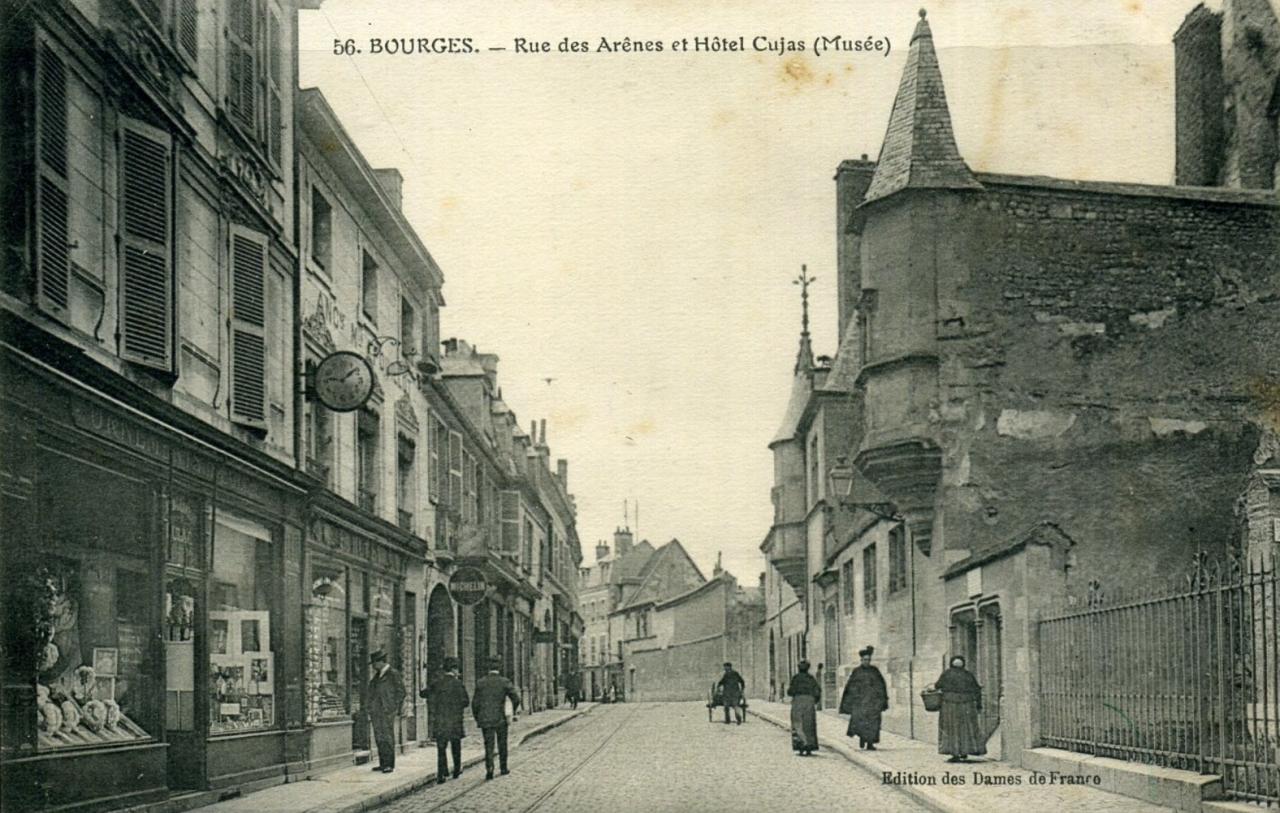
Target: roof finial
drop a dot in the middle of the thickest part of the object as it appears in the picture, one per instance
(803, 280)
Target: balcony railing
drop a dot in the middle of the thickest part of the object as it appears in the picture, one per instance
(366, 499)
(404, 519)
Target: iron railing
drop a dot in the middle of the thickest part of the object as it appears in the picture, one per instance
(1182, 677)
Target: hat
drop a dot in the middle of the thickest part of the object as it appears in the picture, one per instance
(450, 664)
(728, 665)
(803, 666)
(494, 664)
(866, 651)
(378, 655)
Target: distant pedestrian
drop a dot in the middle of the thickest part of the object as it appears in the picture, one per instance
(572, 688)
(386, 693)
(865, 698)
(805, 696)
(958, 731)
(489, 708)
(731, 686)
(446, 701)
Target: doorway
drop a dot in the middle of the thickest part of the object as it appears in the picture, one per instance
(359, 662)
(831, 652)
(976, 634)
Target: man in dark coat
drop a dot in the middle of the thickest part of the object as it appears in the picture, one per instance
(446, 701)
(731, 686)
(488, 706)
(572, 688)
(865, 697)
(386, 693)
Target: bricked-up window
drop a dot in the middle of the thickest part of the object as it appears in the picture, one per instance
(52, 191)
(897, 560)
(248, 327)
(146, 239)
(369, 287)
(321, 229)
(869, 577)
(367, 460)
(242, 63)
(846, 587)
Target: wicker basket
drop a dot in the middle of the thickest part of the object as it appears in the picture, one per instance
(932, 699)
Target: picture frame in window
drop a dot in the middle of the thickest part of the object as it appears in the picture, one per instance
(224, 633)
(260, 674)
(104, 687)
(254, 627)
(106, 661)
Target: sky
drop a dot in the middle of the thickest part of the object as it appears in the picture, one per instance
(627, 225)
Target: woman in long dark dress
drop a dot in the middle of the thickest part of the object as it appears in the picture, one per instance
(959, 733)
(805, 695)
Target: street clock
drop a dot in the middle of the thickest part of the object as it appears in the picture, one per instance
(342, 381)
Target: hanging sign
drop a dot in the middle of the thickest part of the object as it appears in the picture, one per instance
(468, 585)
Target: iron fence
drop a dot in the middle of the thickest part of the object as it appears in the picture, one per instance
(1181, 677)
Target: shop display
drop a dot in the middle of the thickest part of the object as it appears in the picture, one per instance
(242, 679)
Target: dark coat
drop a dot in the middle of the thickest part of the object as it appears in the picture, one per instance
(865, 696)
(803, 683)
(959, 733)
(488, 703)
(731, 686)
(386, 693)
(446, 701)
(572, 684)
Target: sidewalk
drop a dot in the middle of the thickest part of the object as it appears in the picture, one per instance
(358, 787)
(915, 762)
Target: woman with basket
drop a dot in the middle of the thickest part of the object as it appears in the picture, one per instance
(958, 697)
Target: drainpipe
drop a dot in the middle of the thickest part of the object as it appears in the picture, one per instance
(911, 669)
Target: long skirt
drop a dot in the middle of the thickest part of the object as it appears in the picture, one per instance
(865, 725)
(804, 724)
(958, 731)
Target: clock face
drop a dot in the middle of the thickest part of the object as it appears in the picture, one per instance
(343, 381)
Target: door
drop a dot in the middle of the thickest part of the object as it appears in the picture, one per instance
(359, 661)
(186, 757)
(989, 667)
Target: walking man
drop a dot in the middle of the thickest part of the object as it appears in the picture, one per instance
(492, 691)
(731, 686)
(572, 688)
(865, 698)
(386, 693)
(446, 701)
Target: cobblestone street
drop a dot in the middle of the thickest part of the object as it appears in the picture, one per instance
(659, 757)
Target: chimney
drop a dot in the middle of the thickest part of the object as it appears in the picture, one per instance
(562, 472)
(762, 581)
(622, 540)
(717, 570)
(392, 183)
(602, 550)
(542, 435)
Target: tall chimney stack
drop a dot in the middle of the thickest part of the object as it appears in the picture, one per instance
(602, 551)
(562, 472)
(622, 540)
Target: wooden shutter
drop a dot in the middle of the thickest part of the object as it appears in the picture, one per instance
(275, 97)
(455, 472)
(510, 520)
(146, 231)
(435, 439)
(187, 28)
(53, 261)
(241, 62)
(248, 327)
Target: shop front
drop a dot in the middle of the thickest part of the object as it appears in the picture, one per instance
(360, 598)
(144, 580)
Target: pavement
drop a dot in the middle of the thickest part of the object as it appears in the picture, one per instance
(917, 769)
(662, 758)
(358, 787)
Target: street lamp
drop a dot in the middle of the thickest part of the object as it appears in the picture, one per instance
(840, 487)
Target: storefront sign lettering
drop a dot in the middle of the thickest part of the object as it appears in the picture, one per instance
(118, 429)
(468, 585)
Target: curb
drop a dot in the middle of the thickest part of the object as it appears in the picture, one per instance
(391, 794)
(929, 795)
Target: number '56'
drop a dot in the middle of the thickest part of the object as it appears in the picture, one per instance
(344, 47)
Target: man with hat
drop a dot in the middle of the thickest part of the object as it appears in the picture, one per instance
(386, 693)
(446, 700)
(865, 698)
(489, 708)
(730, 687)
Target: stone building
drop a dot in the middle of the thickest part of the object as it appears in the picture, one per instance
(601, 589)
(1040, 384)
(149, 422)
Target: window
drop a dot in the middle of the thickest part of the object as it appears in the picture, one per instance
(248, 327)
(406, 483)
(869, 577)
(431, 330)
(319, 442)
(178, 21)
(369, 287)
(455, 473)
(241, 662)
(52, 192)
(510, 520)
(327, 662)
(439, 441)
(813, 470)
(897, 559)
(146, 240)
(321, 230)
(367, 460)
(408, 329)
(275, 95)
(527, 549)
(242, 63)
(846, 586)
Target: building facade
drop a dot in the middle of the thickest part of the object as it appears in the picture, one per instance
(1023, 406)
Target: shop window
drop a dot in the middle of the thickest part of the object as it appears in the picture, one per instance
(326, 645)
(382, 618)
(241, 660)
